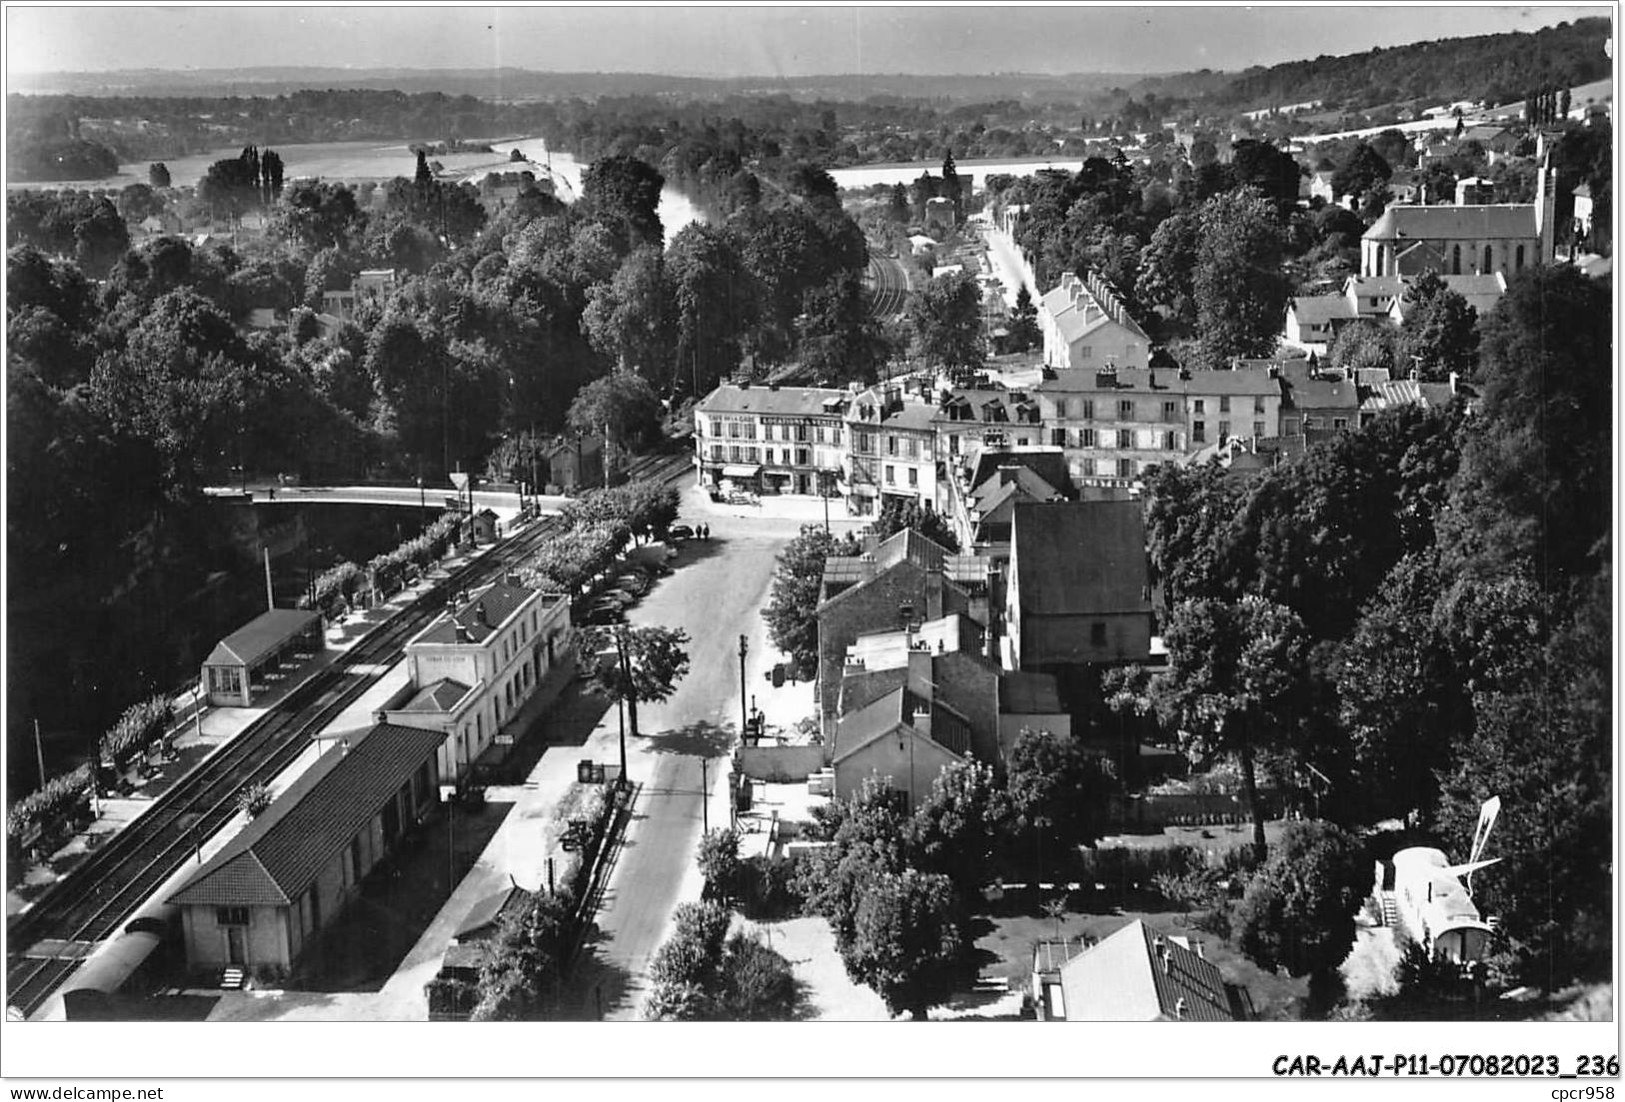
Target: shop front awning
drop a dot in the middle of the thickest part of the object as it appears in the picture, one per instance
(740, 470)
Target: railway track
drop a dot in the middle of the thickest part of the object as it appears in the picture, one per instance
(103, 891)
(888, 285)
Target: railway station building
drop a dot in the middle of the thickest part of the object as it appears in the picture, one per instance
(247, 663)
(261, 903)
(475, 666)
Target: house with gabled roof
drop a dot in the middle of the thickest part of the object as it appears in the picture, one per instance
(260, 904)
(895, 584)
(1079, 589)
(1137, 974)
(247, 663)
(1086, 325)
(1463, 239)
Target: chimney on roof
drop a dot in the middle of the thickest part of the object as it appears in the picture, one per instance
(1167, 956)
(461, 632)
(1179, 1009)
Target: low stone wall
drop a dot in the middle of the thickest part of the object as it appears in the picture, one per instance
(781, 764)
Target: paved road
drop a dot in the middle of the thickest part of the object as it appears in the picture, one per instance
(1008, 265)
(716, 594)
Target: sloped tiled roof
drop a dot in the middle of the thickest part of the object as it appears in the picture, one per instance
(1304, 388)
(479, 616)
(786, 401)
(1317, 309)
(1050, 466)
(879, 717)
(260, 636)
(439, 696)
(1486, 221)
(1080, 557)
(277, 856)
(1125, 979)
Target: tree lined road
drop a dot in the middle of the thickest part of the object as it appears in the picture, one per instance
(716, 593)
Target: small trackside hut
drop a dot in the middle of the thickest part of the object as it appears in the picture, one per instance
(251, 660)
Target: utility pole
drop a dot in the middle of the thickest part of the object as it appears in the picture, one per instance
(705, 795)
(744, 648)
(39, 752)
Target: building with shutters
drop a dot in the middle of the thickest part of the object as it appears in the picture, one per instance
(772, 439)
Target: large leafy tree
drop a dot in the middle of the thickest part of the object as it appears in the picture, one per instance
(962, 826)
(798, 578)
(1237, 283)
(716, 305)
(1298, 912)
(1235, 685)
(946, 318)
(631, 318)
(622, 404)
(625, 193)
(907, 940)
(840, 340)
(1439, 336)
(634, 665)
(1363, 171)
(1537, 464)
(1189, 512)
(1023, 326)
(1363, 345)
(1057, 792)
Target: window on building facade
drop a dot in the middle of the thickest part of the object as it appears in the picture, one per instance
(1125, 409)
(735, 453)
(891, 475)
(231, 916)
(1199, 432)
(1455, 260)
(1290, 426)
(913, 448)
(1340, 423)
(1057, 437)
(1518, 259)
(1258, 428)
(1258, 404)
(913, 477)
(1086, 351)
(818, 434)
(1170, 441)
(1224, 404)
(1224, 431)
(1087, 438)
(1125, 438)
(1169, 411)
(1060, 407)
(733, 430)
(1097, 634)
(716, 427)
(891, 445)
(835, 435)
(1125, 468)
(803, 457)
(1487, 262)
(801, 434)
(1200, 405)
(1088, 409)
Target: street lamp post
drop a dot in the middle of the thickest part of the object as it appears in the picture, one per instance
(626, 687)
(823, 492)
(421, 503)
(744, 648)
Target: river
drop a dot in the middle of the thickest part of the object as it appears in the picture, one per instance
(383, 160)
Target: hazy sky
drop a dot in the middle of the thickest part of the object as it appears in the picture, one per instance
(735, 40)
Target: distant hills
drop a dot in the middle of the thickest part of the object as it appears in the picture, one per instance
(525, 84)
(1497, 67)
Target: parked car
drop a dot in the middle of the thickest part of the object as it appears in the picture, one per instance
(680, 532)
(635, 584)
(606, 612)
(619, 596)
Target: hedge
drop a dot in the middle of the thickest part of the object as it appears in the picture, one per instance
(423, 550)
(643, 506)
(64, 796)
(138, 728)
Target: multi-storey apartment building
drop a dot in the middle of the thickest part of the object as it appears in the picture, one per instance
(992, 420)
(1085, 326)
(772, 439)
(892, 449)
(1112, 424)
